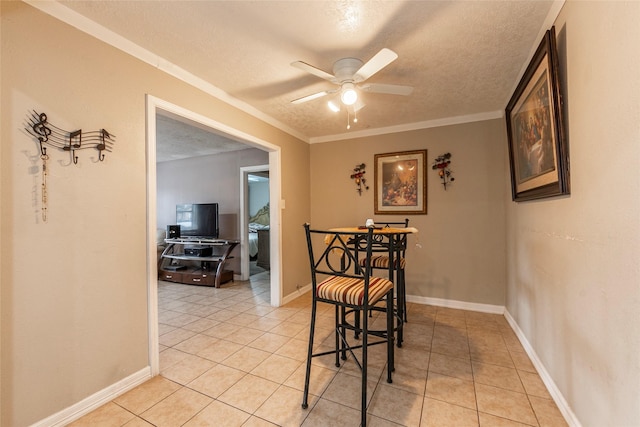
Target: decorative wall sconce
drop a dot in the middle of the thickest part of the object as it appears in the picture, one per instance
(358, 176)
(441, 164)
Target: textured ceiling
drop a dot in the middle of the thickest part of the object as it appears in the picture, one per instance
(462, 57)
(178, 138)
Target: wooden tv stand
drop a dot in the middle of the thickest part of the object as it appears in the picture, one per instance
(196, 261)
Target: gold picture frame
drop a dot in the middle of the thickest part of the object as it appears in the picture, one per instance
(400, 183)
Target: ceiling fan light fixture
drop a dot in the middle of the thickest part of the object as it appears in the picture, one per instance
(334, 106)
(348, 96)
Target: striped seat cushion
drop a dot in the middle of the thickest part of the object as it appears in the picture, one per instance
(349, 290)
(382, 261)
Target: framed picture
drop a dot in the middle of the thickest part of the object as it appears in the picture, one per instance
(538, 152)
(401, 183)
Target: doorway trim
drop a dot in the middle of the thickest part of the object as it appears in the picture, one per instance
(244, 216)
(153, 106)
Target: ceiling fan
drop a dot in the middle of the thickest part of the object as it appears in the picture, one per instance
(350, 74)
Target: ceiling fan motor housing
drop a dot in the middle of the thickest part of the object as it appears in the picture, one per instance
(345, 68)
(349, 73)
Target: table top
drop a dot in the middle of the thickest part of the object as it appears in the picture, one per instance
(377, 230)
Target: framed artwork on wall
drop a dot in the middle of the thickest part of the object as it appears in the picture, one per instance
(538, 151)
(400, 183)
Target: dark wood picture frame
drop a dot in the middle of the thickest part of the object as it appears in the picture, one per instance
(401, 183)
(538, 151)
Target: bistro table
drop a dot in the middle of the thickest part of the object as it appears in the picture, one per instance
(393, 241)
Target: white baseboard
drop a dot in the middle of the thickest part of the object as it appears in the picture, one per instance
(484, 308)
(555, 393)
(462, 305)
(301, 291)
(96, 400)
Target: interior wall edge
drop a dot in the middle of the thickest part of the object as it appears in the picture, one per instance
(554, 391)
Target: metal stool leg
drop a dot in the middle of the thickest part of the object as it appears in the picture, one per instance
(305, 397)
(363, 401)
(402, 294)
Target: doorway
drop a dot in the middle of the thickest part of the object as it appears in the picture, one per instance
(255, 220)
(154, 107)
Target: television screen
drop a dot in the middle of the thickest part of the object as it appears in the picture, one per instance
(198, 219)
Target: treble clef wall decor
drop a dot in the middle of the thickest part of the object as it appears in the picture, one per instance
(52, 136)
(71, 141)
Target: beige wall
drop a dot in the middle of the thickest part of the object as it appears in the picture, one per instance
(573, 281)
(74, 289)
(458, 253)
(73, 324)
(204, 179)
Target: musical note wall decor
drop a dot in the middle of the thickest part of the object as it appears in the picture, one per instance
(71, 141)
(49, 135)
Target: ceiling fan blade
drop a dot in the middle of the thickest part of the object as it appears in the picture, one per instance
(313, 70)
(388, 89)
(375, 64)
(312, 96)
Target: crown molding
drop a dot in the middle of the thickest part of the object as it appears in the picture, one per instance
(86, 25)
(448, 121)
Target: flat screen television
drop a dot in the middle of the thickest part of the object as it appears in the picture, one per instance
(198, 219)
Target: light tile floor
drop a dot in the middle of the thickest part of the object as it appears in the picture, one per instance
(230, 359)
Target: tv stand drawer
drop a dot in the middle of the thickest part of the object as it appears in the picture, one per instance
(199, 278)
(170, 276)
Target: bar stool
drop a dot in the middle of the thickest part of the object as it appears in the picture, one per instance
(338, 279)
(394, 262)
